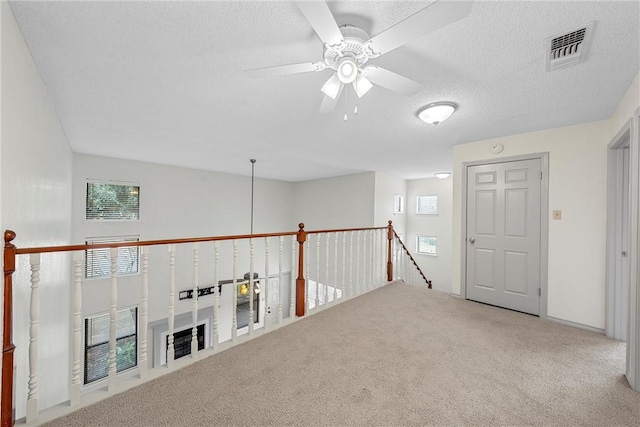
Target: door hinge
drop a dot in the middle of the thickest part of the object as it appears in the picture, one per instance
(540, 176)
(539, 292)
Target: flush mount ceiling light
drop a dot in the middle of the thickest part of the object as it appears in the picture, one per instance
(442, 175)
(437, 112)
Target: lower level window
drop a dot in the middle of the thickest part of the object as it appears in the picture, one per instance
(96, 347)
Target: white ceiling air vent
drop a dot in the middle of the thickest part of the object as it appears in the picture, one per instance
(564, 50)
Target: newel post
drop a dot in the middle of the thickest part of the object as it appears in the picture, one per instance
(300, 286)
(6, 416)
(389, 263)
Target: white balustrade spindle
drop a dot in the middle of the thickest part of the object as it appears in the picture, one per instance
(351, 264)
(194, 306)
(265, 286)
(76, 370)
(344, 263)
(171, 317)
(308, 276)
(144, 313)
(280, 252)
(234, 306)
(113, 317)
(358, 262)
(216, 295)
(326, 271)
(318, 238)
(335, 269)
(34, 314)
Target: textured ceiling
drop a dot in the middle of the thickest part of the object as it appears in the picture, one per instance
(164, 82)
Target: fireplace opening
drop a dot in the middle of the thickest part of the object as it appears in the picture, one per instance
(182, 341)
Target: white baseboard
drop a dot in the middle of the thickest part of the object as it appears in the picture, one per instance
(576, 325)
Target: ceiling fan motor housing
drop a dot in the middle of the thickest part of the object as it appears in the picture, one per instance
(353, 47)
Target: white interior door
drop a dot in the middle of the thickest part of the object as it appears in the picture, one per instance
(503, 234)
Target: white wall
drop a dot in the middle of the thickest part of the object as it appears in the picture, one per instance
(36, 202)
(386, 188)
(179, 202)
(339, 202)
(626, 108)
(577, 187)
(436, 268)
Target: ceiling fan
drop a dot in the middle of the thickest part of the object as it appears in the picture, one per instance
(347, 49)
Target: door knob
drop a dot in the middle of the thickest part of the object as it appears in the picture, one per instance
(472, 240)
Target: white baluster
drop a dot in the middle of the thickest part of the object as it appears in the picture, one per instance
(194, 306)
(172, 290)
(77, 328)
(365, 274)
(326, 271)
(351, 264)
(251, 288)
(281, 245)
(144, 310)
(234, 310)
(32, 397)
(308, 276)
(344, 263)
(265, 286)
(294, 273)
(335, 269)
(113, 316)
(318, 238)
(358, 262)
(216, 289)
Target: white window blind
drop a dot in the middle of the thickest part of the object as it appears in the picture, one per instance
(398, 204)
(98, 261)
(114, 202)
(96, 349)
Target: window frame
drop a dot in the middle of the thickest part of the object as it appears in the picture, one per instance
(87, 347)
(398, 207)
(434, 210)
(113, 183)
(111, 239)
(428, 236)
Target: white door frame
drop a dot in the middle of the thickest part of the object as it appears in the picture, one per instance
(544, 221)
(614, 296)
(633, 344)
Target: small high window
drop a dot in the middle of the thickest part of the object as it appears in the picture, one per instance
(398, 204)
(112, 202)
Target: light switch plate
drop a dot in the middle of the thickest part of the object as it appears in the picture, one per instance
(557, 214)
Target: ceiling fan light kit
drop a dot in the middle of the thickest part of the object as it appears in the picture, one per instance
(437, 112)
(348, 48)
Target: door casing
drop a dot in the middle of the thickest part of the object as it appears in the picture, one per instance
(544, 221)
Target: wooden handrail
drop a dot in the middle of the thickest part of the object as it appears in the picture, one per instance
(10, 253)
(427, 281)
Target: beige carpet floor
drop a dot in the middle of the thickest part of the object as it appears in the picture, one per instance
(399, 355)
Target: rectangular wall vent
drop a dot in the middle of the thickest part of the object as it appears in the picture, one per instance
(565, 50)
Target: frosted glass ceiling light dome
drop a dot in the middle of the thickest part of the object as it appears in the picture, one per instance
(442, 175)
(347, 70)
(437, 112)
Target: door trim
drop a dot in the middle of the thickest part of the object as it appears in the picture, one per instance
(544, 221)
(613, 261)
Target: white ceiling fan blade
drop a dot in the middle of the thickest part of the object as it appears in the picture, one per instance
(328, 103)
(392, 81)
(361, 85)
(322, 21)
(332, 87)
(281, 70)
(435, 16)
